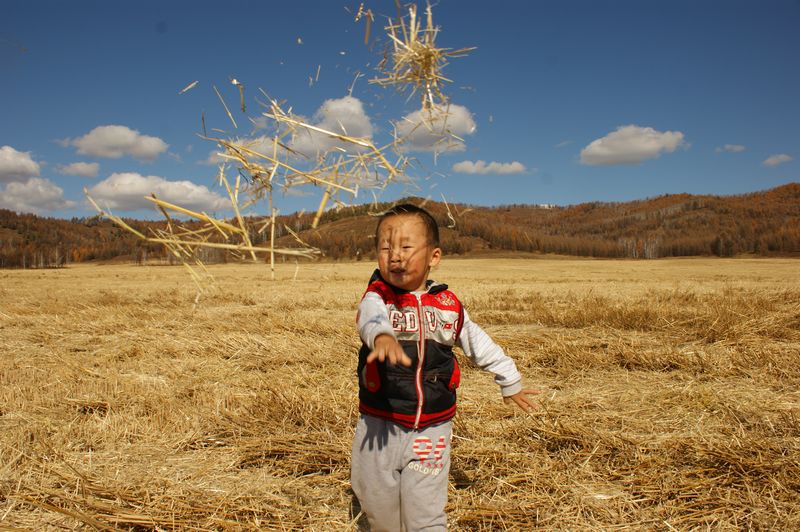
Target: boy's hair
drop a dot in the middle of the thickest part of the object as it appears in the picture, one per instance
(431, 227)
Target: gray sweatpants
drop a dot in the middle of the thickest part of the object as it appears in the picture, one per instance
(400, 475)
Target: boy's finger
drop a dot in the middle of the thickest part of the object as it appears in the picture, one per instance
(400, 357)
(526, 406)
(529, 405)
(521, 401)
(394, 357)
(375, 355)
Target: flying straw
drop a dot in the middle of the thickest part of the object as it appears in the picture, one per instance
(188, 87)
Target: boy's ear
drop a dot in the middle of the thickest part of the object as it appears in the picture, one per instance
(436, 256)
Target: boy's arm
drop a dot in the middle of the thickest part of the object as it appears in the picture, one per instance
(487, 355)
(373, 319)
(377, 333)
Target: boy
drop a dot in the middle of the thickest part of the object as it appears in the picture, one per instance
(408, 377)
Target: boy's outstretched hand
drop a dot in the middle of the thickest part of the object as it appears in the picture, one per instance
(387, 348)
(522, 400)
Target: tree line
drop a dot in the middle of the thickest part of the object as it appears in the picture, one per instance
(678, 225)
(761, 223)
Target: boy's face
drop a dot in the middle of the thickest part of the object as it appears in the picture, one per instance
(405, 257)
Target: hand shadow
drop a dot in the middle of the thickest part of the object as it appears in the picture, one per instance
(378, 431)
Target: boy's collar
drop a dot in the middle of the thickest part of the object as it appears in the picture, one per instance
(431, 287)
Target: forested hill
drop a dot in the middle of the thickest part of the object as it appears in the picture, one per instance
(761, 223)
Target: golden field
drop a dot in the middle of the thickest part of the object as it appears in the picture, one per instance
(670, 397)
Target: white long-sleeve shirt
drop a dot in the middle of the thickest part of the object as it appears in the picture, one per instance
(373, 320)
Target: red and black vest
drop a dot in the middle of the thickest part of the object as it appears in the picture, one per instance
(427, 326)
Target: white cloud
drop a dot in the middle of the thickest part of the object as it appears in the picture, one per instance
(36, 195)
(116, 141)
(631, 145)
(126, 191)
(260, 122)
(214, 158)
(438, 130)
(80, 169)
(16, 165)
(778, 158)
(343, 116)
(480, 167)
(730, 148)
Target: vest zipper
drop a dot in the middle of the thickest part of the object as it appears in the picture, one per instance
(420, 361)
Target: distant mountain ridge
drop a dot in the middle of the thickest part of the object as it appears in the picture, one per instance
(760, 223)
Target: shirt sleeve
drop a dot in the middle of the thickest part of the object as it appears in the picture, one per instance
(487, 355)
(373, 319)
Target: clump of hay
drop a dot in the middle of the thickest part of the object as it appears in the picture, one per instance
(348, 165)
(415, 62)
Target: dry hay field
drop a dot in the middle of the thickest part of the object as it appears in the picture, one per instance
(670, 397)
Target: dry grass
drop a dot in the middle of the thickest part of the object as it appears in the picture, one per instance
(670, 397)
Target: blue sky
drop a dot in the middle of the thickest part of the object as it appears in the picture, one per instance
(562, 102)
